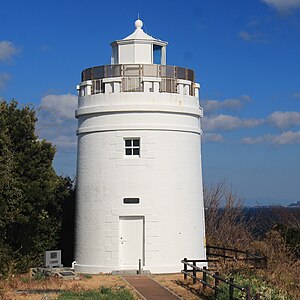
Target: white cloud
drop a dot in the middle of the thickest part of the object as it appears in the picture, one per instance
(283, 120)
(4, 77)
(65, 141)
(7, 50)
(256, 37)
(285, 138)
(283, 6)
(63, 105)
(212, 137)
(227, 122)
(45, 48)
(214, 105)
(296, 95)
(245, 35)
(245, 98)
(255, 140)
(56, 120)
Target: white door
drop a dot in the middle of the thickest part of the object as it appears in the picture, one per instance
(131, 242)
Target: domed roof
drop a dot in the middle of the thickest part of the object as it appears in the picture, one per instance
(139, 33)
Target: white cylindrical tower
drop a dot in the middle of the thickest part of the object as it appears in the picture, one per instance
(139, 177)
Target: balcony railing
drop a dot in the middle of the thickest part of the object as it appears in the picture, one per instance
(138, 78)
(137, 70)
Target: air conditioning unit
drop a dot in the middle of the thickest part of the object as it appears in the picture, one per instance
(53, 259)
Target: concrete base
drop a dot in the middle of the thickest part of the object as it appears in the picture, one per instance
(129, 272)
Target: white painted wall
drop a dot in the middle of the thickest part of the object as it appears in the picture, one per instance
(167, 178)
(137, 48)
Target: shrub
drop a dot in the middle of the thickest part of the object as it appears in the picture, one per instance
(257, 286)
(276, 237)
(225, 220)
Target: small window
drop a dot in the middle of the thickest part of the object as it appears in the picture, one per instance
(131, 200)
(157, 54)
(132, 147)
(115, 55)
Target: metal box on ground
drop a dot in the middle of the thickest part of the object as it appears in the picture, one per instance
(53, 259)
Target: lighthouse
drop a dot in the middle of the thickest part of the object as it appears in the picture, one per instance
(139, 193)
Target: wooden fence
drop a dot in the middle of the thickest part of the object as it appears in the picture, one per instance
(236, 255)
(212, 280)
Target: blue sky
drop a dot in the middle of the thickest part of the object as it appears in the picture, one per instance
(246, 55)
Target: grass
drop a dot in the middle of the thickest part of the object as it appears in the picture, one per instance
(117, 285)
(87, 276)
(257, 285)
(104, 293)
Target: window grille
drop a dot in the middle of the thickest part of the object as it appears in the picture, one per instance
(132, 146)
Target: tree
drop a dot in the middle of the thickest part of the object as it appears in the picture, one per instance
(225, 220)
(31, 194)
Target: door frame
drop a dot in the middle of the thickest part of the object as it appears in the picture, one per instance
(143, 233)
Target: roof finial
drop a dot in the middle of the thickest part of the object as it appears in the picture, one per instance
(138, 23)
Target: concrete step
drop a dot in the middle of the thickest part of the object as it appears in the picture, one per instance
(129, 272)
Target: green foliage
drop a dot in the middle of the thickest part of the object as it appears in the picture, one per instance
(105, 293)
(31, 194)
(257, 286)
(25, 279)
(39, 274)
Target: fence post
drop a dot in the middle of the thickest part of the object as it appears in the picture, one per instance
(185, 268)
(236, 255)
(216, 284)
(224, 253)
(204, 278)
(265, 262)
(231, 288)
(194, 272)
(248, 293)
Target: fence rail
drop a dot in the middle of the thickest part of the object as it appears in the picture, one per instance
(206, 275)
(236, 255)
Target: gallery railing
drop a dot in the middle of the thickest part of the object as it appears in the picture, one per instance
(137, 70)
(138, 78)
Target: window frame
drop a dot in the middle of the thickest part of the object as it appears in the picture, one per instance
(132, 147)
(131, 201)
(157, 54)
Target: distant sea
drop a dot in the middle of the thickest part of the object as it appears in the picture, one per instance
(265, 201)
